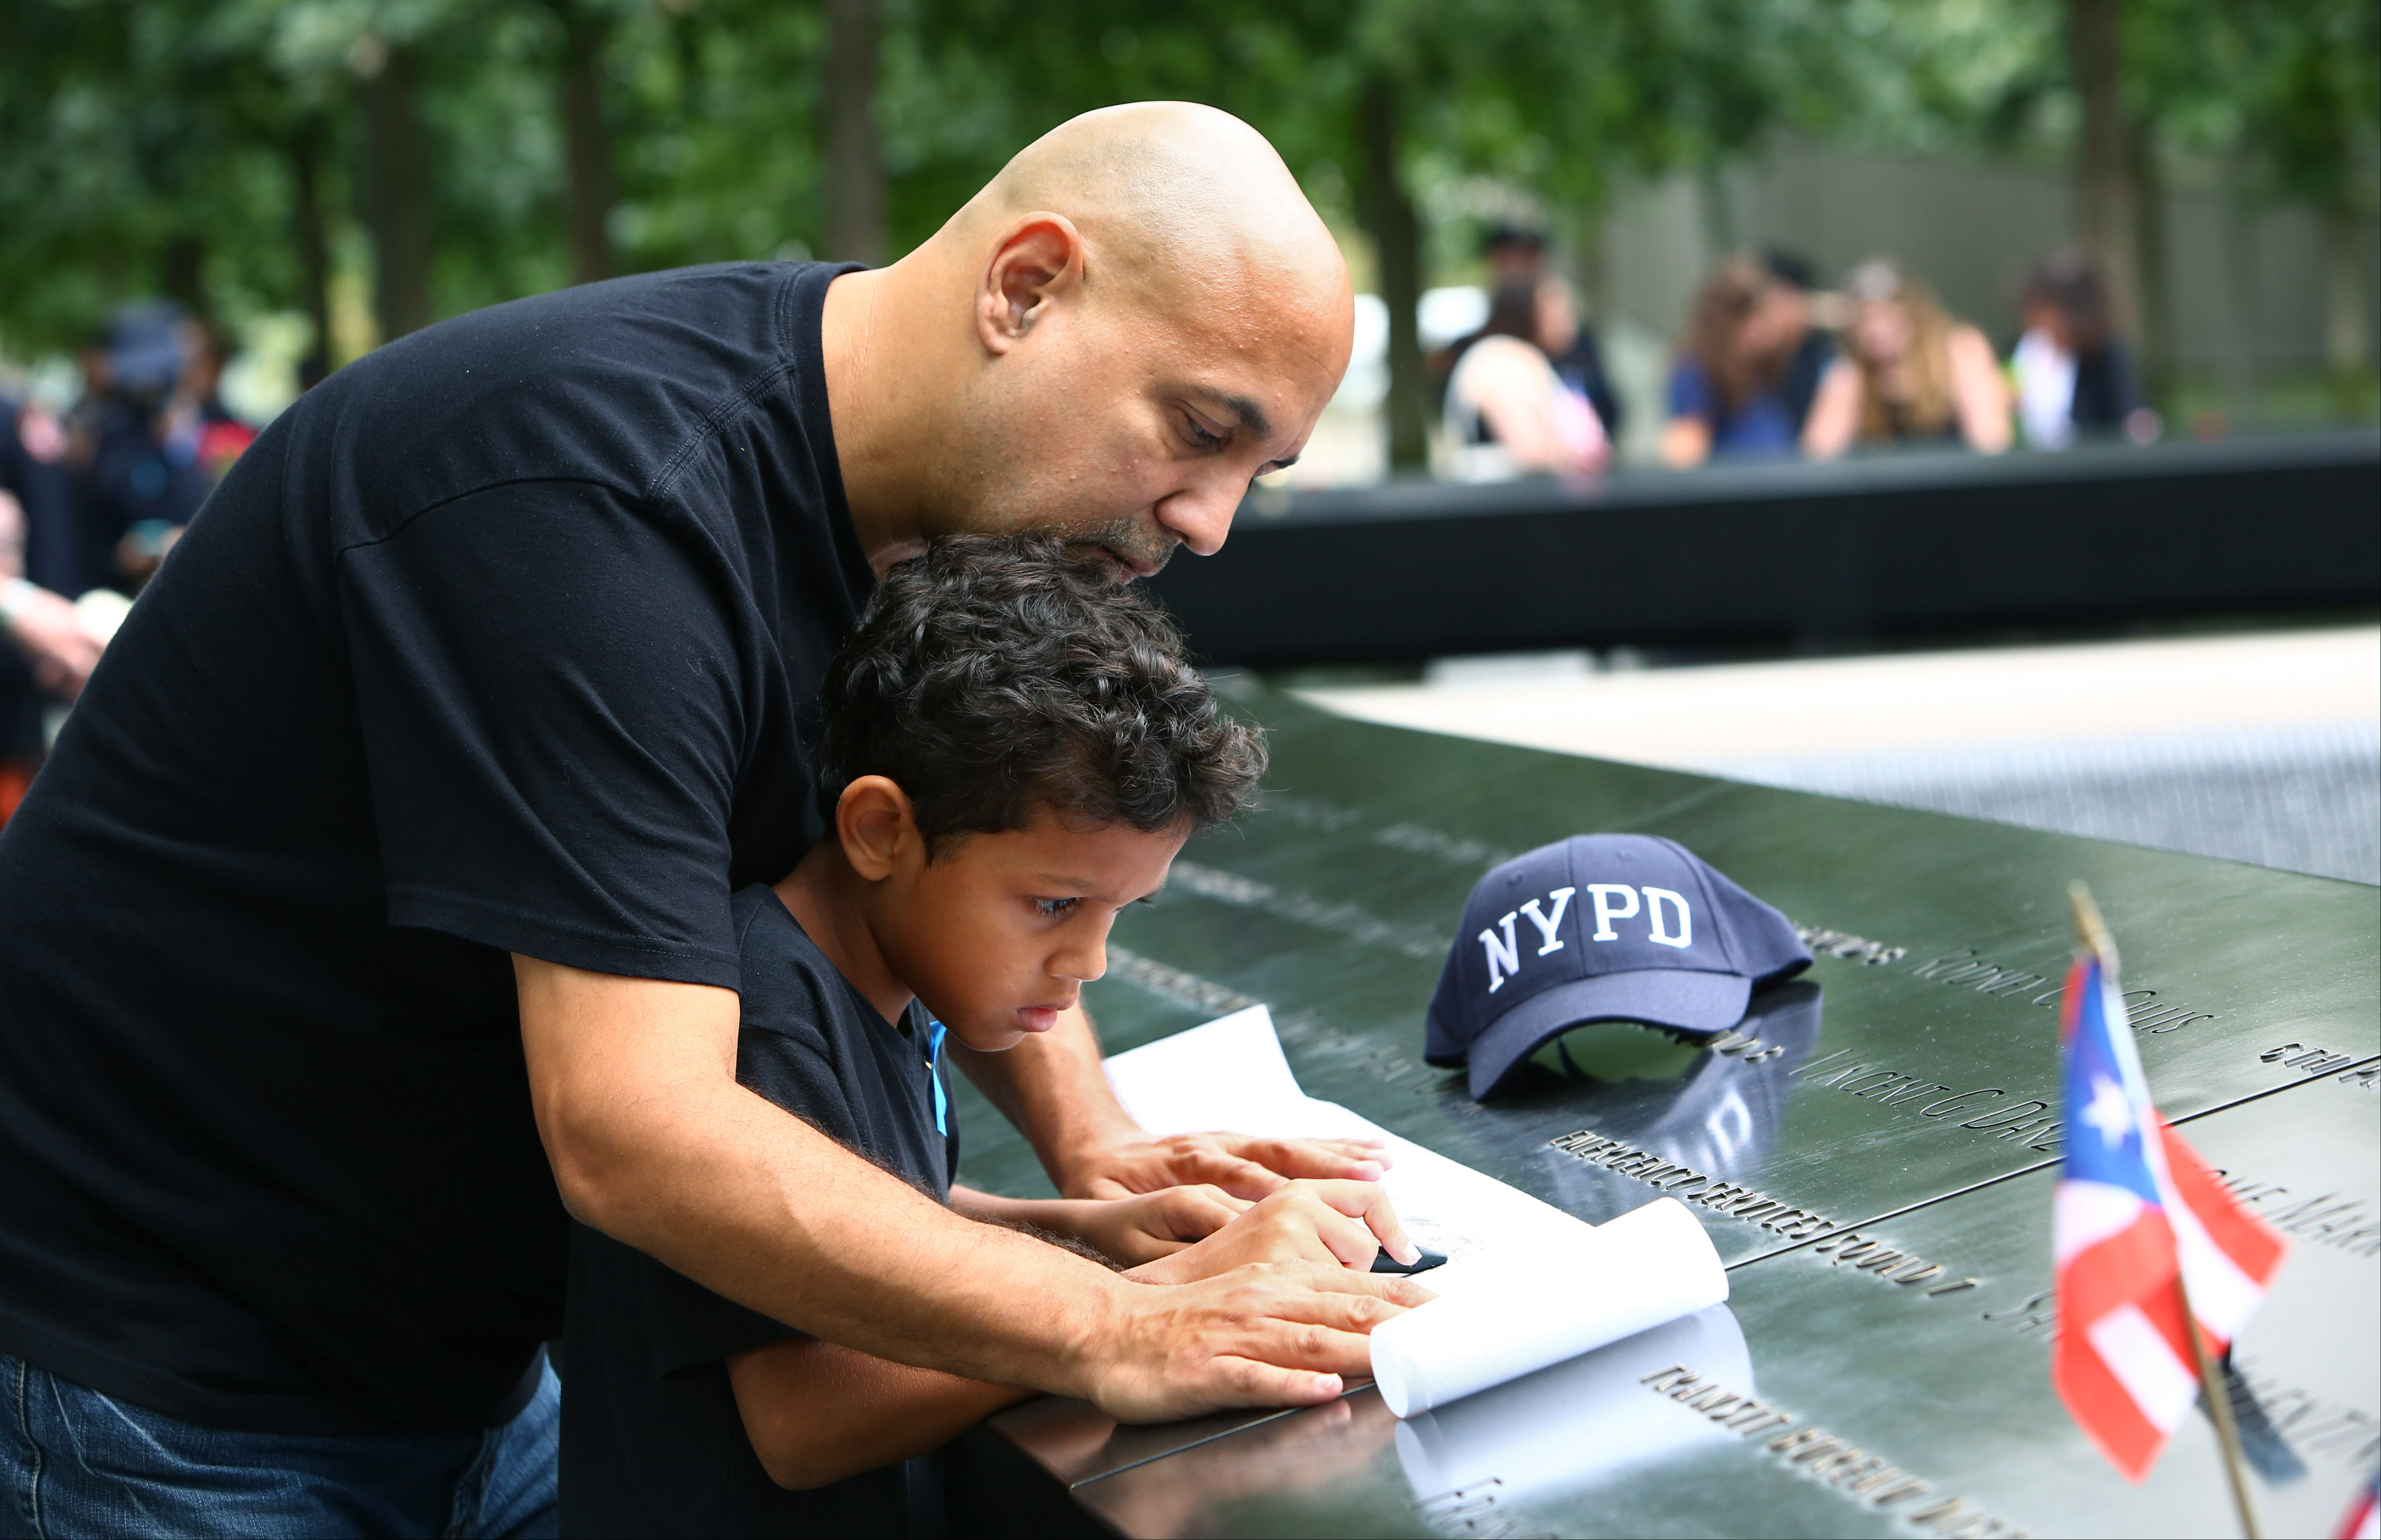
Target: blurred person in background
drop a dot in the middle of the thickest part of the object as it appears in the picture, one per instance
(135, 443)
(49, 650)
(1748, 366)
(1513, 251)
(216, 436)
(1570, 347)
(1517, 252)
(2074, 378)
(1508, 412)
(1909, 374)
(1793, 304)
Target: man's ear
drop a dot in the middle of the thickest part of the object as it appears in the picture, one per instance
(1037, 259)
(877, 827)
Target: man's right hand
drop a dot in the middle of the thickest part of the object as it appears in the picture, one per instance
(1270, 1334)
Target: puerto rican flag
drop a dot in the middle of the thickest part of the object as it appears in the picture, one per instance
(2134, 1204)
(2363, 1519)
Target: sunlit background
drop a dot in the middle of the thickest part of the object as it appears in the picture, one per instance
(286, 184)
(313, 177)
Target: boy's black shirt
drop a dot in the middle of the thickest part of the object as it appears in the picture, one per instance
(500, 640)
(652, 1441)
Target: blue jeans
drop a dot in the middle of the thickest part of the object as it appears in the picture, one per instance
(78, 1463)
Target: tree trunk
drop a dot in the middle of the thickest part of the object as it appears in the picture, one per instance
(586, 144)
(2106, 194)
(2156, 353)
(1594, 274)
(400, 197)
(306, 233)
(183, 273)
(1718, 213)
(1396, 241)
(855, 170)
(2241, 291)
(2346, 326)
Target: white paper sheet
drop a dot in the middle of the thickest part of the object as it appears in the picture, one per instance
(1525, 1284)
(1580, 1421)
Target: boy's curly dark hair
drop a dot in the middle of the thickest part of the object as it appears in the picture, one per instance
(993, 678)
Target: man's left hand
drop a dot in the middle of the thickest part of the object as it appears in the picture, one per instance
(1245, 1167)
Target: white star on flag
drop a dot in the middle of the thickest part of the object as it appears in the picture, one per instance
(2108, 1111)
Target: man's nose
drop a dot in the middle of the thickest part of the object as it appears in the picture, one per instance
(1201, 513)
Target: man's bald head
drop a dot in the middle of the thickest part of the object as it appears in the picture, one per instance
(1169, 191)
(1137, 316)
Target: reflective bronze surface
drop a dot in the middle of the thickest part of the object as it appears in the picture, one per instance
(1850, 1393)
(1888, 1102)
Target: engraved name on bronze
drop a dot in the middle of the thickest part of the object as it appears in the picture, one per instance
(2346, 1435)
(1337, 916)
(1844, 945)
(1384, 1062)
(1173, 984)
(1749, 1047)
(1326, 816)
(1965, 969)
(1309, 812)
(2314, 1063)
(1417, 839)
(2342, 1222)
(2038, 1314)
(1982, 1110)
(1859, 1253)
(1865, 1254)
(1864, 1478)
(1689, 1185)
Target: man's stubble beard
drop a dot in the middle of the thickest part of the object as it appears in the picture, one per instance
(1134, 540)
(1014, 492)
(1126, 540)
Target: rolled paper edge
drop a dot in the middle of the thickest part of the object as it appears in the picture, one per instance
(1671, 1214)
(1394, 1377)
(1406, 1384)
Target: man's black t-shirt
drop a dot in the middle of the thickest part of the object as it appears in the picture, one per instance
(651, 1440)
(500, 640)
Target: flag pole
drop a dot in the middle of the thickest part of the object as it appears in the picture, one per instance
(2093, 931)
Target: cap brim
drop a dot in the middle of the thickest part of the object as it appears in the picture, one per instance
(1660, 997)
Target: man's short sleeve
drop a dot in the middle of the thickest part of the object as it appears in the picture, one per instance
(553, 718)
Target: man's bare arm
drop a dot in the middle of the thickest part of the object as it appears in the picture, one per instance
(653, 1143)
(817, 1412)
(1052, 1087)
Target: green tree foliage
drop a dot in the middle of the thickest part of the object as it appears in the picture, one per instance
(233, 153)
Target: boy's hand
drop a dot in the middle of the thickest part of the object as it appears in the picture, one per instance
(1276, 1334)
(1338, 1223)
(1148, 1226)
(1244, 1167)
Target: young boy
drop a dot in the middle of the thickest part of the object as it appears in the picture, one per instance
(1014, 750)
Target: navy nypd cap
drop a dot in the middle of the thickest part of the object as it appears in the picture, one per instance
(1600, 927)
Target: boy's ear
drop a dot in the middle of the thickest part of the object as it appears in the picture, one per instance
(877, 827)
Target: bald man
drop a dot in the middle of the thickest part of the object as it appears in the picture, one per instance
(374, 911)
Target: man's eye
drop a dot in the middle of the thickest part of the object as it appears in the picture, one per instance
(1051, 908)
(1198, 434)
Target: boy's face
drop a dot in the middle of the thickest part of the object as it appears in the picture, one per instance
(997, 933)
